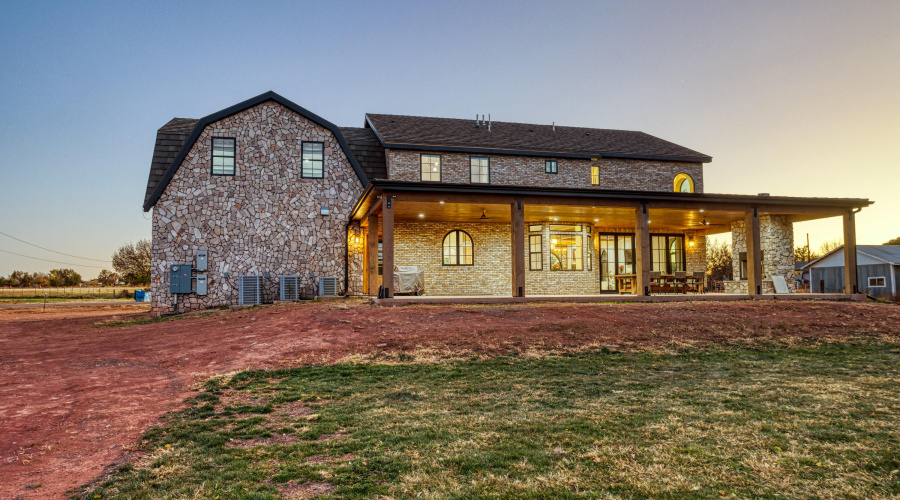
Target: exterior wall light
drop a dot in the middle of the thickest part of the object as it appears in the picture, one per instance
(325, 211)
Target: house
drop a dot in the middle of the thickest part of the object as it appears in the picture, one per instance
(876, 270)
(266, 192)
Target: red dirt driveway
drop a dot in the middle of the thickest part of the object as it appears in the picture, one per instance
(75, 396)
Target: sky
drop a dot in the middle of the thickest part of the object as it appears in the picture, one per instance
(789, 98)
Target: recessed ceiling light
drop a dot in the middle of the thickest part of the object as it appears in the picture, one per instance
(701, 210)
(596, 220)
(442, 202)
(421, 215)
(649, 221)
(556, 218)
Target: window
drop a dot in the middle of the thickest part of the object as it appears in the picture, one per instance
(431, 167)
(313, 160)
(535, 252)
(222, 156)
(551, 167)
(535, 228)
(667, 253)
(566, 252)
(380, 258)
(684, 183)
(595, 175)
(458, 249)
(566, 227)
(876, 281)
(481, 169)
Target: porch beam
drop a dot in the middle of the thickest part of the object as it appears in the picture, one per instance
(372, 255)
(517, 230)
(642, 259)
(850, 277)
(375, 208)
(387, 244)
(581, 202)
(688, 205)
(456, 198)
(754, 254)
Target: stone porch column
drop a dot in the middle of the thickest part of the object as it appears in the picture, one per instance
(642, 259)
(517, 230)
(387, 244)
(850, 277)
(372, 255)
(754, 254)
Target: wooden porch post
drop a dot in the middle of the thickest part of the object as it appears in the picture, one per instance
(387, 244)
(754, 254)
(372, 255)
(850, 278)
(642, 260)
(517, 228)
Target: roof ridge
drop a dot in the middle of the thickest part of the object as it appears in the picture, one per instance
(494, 122)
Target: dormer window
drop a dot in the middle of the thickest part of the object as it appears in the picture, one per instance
(223, 156)
(551, 167)
(684, 183)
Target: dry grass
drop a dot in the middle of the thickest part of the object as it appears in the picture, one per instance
(790, 419)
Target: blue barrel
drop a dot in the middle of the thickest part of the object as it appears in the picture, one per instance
(138, 295)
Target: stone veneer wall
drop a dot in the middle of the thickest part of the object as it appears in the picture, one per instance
(776, 240)
(264, 219)
(419, 244)
(356, 249)
(640, 175)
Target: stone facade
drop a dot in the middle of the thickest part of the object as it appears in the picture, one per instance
(264, 219)
(639, 175)
(776, 241)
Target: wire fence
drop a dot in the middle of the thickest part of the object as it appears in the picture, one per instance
(78, 292)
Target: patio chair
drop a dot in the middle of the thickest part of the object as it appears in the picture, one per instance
(699, 281)
(655, 282)
(680, 282)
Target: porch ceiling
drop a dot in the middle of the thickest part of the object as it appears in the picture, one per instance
(600, 216)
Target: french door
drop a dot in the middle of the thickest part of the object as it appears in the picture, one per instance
(616, 257)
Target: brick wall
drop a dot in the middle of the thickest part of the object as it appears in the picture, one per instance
(640, 175)
(264, 219)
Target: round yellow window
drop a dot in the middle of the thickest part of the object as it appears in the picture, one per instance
(684, 183)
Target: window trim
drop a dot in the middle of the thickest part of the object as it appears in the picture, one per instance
(540, 252)
(457, 248)
(488, 158)
(555, 166)
(883, 282)
(212, 155)
(302, 176)
(440, 166)
(679, 179)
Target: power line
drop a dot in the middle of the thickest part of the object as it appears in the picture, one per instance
(54, 251)
(54, 261)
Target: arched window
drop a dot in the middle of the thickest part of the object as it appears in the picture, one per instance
(458, 249)
(684, 183)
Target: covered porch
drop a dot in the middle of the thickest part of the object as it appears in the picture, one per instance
(490, 243)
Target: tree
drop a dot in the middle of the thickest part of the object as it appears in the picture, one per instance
(132, 262)
(718, 260)
(828, 246)
(64, 277)
(895, 241)
(803, 254)
(107, 278)
(40, 279)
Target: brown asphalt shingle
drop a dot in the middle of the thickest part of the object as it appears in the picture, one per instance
(170, 138)
(452, 132)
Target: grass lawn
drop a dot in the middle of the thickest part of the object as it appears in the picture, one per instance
(800, 422)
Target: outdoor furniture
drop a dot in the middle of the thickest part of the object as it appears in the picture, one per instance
(656, 282)
(625, 283)
(694, 282)
(680, 282)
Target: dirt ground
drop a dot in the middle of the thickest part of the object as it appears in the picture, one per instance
(75, 396)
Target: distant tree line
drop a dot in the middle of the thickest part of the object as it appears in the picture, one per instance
(131, 263)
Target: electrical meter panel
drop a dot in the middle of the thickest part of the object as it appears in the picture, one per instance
(201, 260)
(180, 278)
(201, 284)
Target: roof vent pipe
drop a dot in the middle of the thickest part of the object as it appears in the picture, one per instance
(476, 120)
(554, 126)
(489, 122)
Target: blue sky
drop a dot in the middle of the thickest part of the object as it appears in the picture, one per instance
(790, 98)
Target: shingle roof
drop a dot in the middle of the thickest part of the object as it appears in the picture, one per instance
(367, 150)
(437, 133)
(887, 253)
(170, 138)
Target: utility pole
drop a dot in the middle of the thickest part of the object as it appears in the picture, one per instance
(807, 248)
